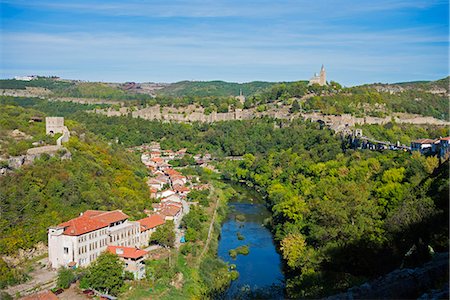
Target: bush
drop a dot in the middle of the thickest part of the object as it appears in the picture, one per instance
(240, 218)
(65, 278)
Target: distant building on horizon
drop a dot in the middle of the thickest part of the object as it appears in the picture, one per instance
(320, 79)
(241, 97)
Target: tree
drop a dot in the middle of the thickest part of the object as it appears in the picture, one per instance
(106, 274)
(295, 107)
(164, 235)
(65, 278)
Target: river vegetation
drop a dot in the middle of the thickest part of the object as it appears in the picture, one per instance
(352, 217)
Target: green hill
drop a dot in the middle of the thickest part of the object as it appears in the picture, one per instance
(34, 197)
(213, 88)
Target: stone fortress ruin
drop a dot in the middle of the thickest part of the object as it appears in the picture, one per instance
(55, 125)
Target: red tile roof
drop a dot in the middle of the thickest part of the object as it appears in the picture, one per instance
(47, 295)
(181, 188)
(445, 138)
(424, 141)
(170, 210)
(92, 220)
(157, 159)
(127, 252)
(151, 222)
(172, 172)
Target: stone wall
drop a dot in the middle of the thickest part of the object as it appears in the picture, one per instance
(335, 122)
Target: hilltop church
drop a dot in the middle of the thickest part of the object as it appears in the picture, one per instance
(320, 79)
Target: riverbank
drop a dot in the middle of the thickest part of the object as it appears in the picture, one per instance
(195, 271)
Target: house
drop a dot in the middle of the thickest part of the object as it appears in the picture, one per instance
(148, 226)
(132, 257)
(181, 190)
(172, 172)
(169, 154)
(155, 154)
(145, 159)
(165, 194)
(172, 198)
(178, 180)
(181, 152)
(424, 146)
(444, 147)
(45, 295)
(156, 183)
(153, 192)
(81, 240)
(171, 212)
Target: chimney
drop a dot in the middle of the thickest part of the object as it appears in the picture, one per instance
(119, 251)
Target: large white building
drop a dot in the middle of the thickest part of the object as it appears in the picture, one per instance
(80, 241)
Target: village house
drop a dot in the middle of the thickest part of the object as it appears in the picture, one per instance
(180, 153)
(153, 192)
(181, 190)
(156, 183)
(178, 179)
(145, 159)
(424, 146)
(173, 198)
(169, 154)
(438, 147)
(165, 194)
(80, 241)
(171, 172)
(133, 259)
(444, 147)
(168, 210)
(171, 212)
(155, 154)
(148, 226)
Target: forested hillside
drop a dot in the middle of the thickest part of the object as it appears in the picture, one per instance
(350, 217)
(339, 217)
(213, 88)
(50, 190)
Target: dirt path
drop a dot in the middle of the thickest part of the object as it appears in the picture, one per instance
(41, 279)
(211, 226)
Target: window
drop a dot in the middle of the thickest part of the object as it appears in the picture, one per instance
(66, 250)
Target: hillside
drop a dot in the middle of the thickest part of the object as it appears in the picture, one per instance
(213, 88)
(51, 190)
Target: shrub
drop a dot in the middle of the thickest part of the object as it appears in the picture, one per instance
(65, 278)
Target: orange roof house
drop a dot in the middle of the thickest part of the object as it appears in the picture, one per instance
(92, 220)
(151, 222)
(127, 252)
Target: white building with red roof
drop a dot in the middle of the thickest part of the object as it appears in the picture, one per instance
(132, 257)
(81, 240)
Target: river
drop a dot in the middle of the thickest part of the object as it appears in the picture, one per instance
(260, 272)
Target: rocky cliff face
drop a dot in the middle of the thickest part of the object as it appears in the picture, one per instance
(429, 281)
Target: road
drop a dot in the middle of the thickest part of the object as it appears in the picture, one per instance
(178, 231)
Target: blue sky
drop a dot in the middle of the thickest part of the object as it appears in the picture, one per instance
(235, 40)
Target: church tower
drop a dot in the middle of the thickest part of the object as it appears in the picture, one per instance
(323, 76)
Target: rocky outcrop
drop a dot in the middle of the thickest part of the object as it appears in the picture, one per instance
(26, 254)
(406, 283)
(15, 162)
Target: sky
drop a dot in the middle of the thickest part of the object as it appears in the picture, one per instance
(358, 41)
